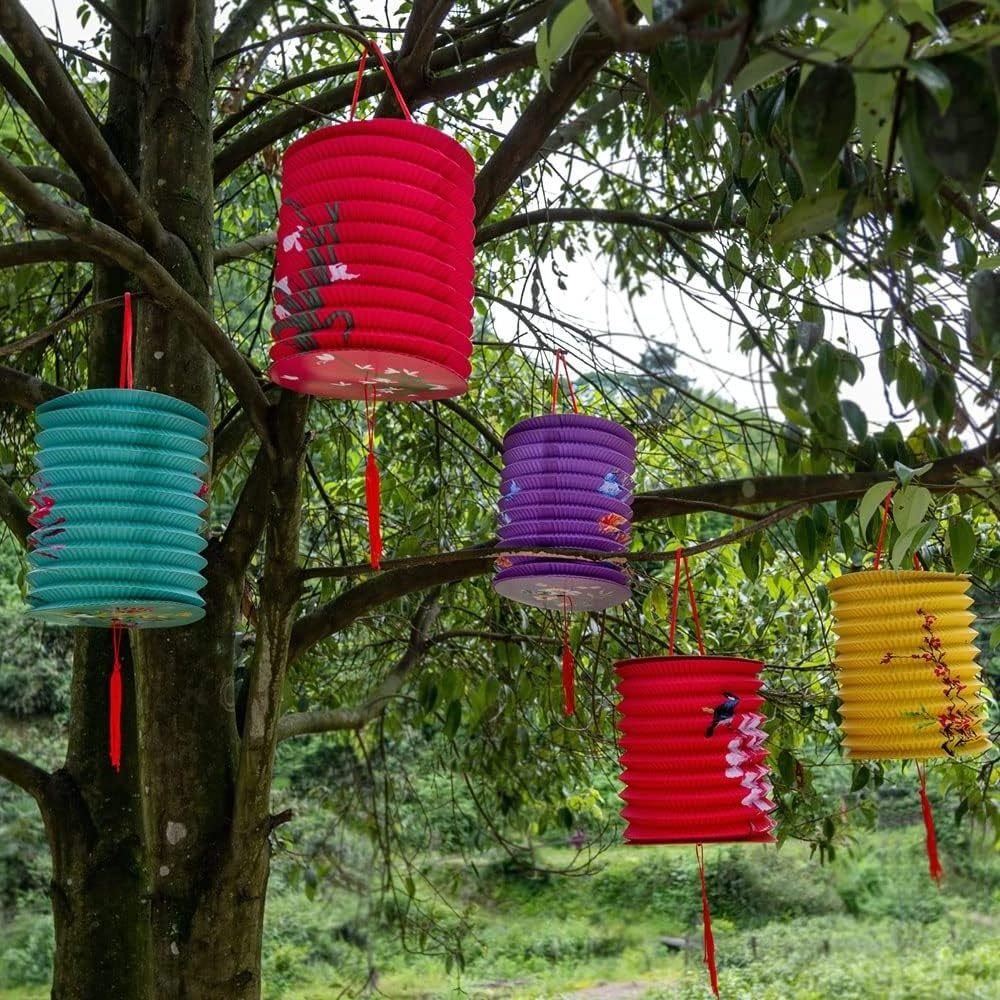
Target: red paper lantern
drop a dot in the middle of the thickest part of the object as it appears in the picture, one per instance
(692, 750)
(373, 268)
(374, 262)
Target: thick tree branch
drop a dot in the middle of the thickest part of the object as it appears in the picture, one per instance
(498, 36)
(24, 390)
(14, 513)
(358, 716)
(607, 216)
(410, 65)
(811, 489)
(104, 11)
(279, 592)
(27, 776)
(242, 536)
(66, 183)
(47, 252)
(33, 106)
(47, 332)
(407, 576)
(634, 38)
(153, 275)
(536, 123)
(75, 126)
(337, 614)
(245, 248)
(245, 18)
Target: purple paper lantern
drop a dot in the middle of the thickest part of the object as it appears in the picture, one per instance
(566, 482)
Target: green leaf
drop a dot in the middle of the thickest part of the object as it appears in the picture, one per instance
(983, 332)
(962, 542)
(871, 501)
(960, 141)
(773, 15)
(935, 80)
(923, 174)
(905, 474)
(806, 538)
(815, 214)
(757, 70)
(677, 69)
(786, 767)
(453, 718)
(909, 507)
(659, 601)
(861, 777)
(556, 36)
(966, 253)
(995, 638)
(749, 554)
(909, 542)
(822, 119)
(855, 418)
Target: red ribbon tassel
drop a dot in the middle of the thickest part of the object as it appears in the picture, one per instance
(706, 917)
(125, 368)
(115, 700)
(568, 666)
(934, 862)
(373, 488)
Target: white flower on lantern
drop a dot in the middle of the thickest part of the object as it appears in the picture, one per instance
(339, 272)
(280, 312)
(282, 285)
(293, 241)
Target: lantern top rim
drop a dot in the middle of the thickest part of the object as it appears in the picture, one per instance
(882, 577)
(623, 665)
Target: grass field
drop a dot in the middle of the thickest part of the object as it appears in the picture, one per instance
(871, 927)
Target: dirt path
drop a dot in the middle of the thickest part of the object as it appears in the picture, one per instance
(616, 991)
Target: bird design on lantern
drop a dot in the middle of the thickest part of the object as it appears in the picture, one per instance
(722, 712)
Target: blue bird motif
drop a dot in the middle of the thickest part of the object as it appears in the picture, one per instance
(723, 712)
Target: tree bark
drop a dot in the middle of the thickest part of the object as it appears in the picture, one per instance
(154, 896)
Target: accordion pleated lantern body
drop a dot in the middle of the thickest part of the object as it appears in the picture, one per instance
(566, 482)
(374, 263)
(906, 659)
(694, 763)
(118, 510)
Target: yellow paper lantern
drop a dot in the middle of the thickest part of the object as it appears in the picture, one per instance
(909, 684)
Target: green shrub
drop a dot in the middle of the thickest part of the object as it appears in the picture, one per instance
(26, 946)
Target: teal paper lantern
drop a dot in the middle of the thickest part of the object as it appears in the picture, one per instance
(118, 510)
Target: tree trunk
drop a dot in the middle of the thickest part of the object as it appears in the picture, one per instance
(160, 870)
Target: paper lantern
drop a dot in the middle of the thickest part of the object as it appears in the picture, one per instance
(692, 750)
(374, 261)
(906, 661)
(117, 514)
(374, 270)
(906, 665)
(566, 483)
(117, 510)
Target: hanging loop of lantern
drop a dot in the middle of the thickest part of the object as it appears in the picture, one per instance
(567, 483)
(117, 512)
(373, 279)
(908, 680)
(692, 752)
